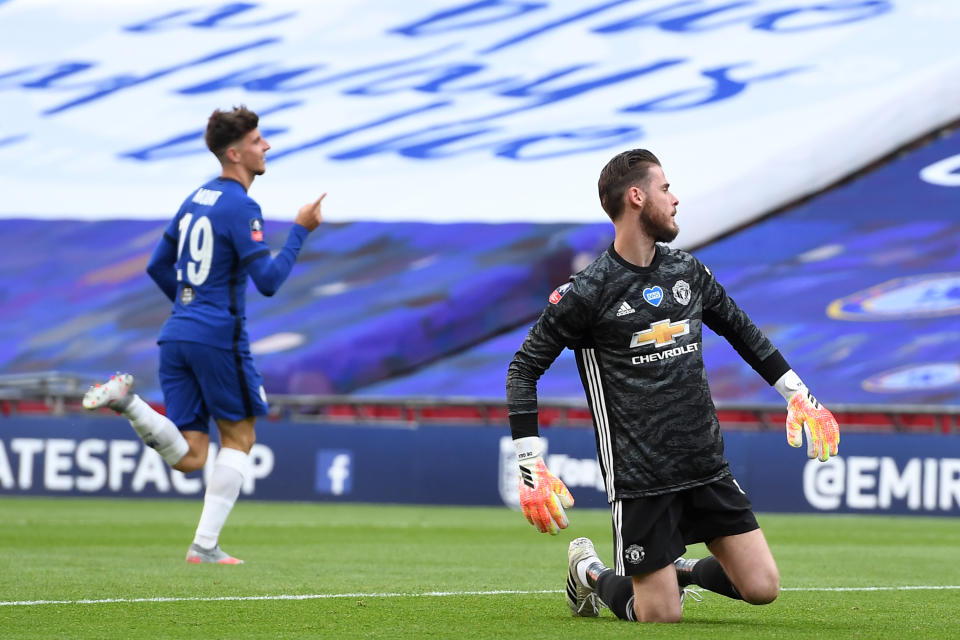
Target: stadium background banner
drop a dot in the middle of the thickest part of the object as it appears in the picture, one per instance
(454, 465)
(107, 100)
(859, 286)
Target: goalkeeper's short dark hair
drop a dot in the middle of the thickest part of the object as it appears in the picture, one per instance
(626, 169)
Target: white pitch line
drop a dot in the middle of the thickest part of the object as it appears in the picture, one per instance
(428, 594)
(903, 588)
(310, 596)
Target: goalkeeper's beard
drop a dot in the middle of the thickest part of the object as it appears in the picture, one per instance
(658, 231)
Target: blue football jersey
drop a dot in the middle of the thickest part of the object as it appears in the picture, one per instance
(217, 232)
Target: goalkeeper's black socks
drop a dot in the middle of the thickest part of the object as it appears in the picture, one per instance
(706, 573)
(593, 572)
(617, 593)
(684, 567)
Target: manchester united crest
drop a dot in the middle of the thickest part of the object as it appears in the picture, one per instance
(681, 292)
(634, 554)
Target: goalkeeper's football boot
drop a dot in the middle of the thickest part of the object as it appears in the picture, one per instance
(113, 394)
(199, 555)
(694, 595)
(684, 569)
(581, 598)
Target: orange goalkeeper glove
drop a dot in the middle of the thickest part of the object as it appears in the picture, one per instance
(543, 496)
(807, 416)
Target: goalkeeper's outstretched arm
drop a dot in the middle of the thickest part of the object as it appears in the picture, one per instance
(805, 416)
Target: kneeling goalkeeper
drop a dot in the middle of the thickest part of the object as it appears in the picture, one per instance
(634, 318)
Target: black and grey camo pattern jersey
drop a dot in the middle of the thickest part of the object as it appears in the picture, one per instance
(636, 332)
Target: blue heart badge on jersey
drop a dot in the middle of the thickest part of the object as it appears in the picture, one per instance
(653, 295)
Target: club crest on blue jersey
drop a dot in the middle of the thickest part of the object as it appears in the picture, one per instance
(559, 291)
(653, 295)
(256, 230)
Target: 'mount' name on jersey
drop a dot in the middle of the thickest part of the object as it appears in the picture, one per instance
(663, 355)
(207, 197)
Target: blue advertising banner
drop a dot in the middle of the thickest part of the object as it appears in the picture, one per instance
(878, 473)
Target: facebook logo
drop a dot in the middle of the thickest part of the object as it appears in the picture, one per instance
(334, 471)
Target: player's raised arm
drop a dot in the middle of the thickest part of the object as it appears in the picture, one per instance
(269, 273)
(309, 215)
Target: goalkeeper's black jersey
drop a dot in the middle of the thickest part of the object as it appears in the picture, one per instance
(636, 332)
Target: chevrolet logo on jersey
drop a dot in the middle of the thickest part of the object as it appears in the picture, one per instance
(660, 333)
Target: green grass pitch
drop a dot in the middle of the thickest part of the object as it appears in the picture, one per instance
(89, 568)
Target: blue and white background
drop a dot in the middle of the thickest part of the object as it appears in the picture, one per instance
(450, 111)
(460, 143)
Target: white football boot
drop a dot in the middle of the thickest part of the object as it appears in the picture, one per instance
(113, 394)
(581, 598)
(198, 555)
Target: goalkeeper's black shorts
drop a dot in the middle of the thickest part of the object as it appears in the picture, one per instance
(650, 533)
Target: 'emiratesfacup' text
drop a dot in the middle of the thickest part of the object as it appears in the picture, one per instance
(663, 355)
